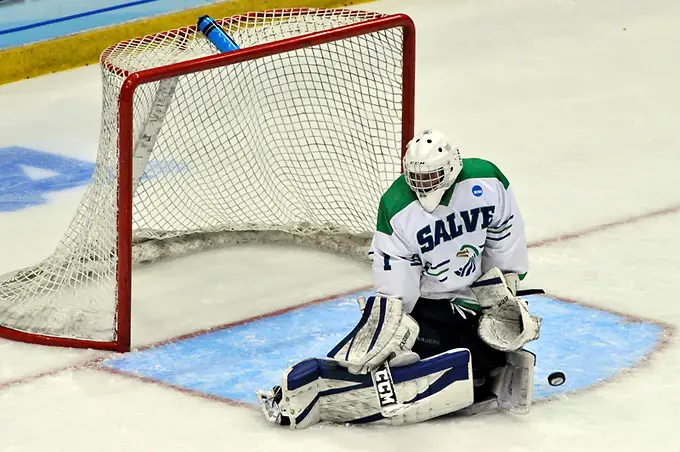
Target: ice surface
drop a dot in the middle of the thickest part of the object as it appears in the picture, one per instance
(577, 101)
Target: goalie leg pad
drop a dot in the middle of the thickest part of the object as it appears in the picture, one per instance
(512, 388)
(515, 384)
(318, 390)
(383, 332)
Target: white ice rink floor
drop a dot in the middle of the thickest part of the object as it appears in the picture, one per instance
(578, 102)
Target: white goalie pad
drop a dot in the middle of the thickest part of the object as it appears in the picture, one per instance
(384, 331)
(320, 390)
(506, 323)
(512, 387)
(515, 384)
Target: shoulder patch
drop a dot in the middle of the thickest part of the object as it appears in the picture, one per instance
(393, 201)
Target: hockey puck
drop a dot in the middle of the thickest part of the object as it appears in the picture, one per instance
(556, 379)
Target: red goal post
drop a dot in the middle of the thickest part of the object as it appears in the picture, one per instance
(295, 68)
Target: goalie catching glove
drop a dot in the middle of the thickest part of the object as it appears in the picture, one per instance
(506, 323)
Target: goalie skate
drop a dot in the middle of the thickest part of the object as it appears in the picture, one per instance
(269, 404)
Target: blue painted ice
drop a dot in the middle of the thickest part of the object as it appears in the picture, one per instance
(27, 175)
(586, 344)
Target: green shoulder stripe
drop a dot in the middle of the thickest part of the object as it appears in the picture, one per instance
(481, 169)
(476, 169)
(393, 201)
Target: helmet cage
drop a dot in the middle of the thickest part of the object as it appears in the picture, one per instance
(431, 166)
(423, 179)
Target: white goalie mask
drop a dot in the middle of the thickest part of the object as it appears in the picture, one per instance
(431, 166)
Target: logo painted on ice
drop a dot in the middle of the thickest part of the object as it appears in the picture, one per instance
(27, 175)
(468, 252)
(477, 191)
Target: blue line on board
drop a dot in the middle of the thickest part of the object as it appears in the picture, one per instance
(75, 16)
(588, 345)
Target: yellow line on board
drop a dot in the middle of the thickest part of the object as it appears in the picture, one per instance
(84, 48)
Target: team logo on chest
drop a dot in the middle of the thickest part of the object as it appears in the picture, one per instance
(468, 252)
(453, 226)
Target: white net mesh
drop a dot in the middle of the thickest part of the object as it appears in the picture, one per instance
(295, 146)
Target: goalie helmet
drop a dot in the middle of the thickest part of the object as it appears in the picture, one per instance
(431, 166)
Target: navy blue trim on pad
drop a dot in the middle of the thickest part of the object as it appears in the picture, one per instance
(307, 410)
(311, 370)
(341, 390)
(449, 377)
(381, 321)
(360, 325)
(331, 370)
(303, 373)
(367, 419)
(429, 366)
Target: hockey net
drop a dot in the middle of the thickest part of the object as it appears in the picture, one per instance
(292, 138)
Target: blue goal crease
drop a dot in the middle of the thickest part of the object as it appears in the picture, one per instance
(588, 345)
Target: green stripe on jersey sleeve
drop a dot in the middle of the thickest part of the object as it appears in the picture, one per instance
(393, 201)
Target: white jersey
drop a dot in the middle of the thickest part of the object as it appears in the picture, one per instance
(439, 254)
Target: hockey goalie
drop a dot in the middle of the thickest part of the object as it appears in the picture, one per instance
(446, 329)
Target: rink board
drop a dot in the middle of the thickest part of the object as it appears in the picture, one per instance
(588, 345)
